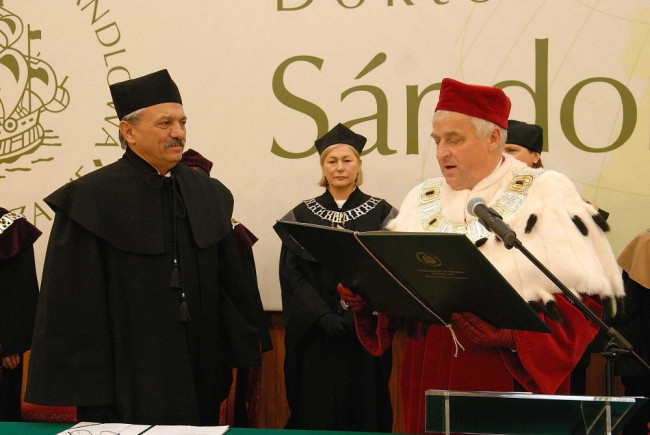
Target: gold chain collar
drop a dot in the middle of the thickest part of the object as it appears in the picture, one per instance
(7, 219)
(511, 199)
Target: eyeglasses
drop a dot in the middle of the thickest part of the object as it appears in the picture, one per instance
(87, 432)
(98, 429)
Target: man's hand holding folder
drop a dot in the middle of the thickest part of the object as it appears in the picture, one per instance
(350, 301)
(483, 333)
(373, 329)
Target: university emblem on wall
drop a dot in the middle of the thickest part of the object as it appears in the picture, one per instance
(28, 87)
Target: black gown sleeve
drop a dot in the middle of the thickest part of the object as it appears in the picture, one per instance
(250, 280)
(18, 284)
(71, 361)
(302, 305)
(18, 293)
(240, 308)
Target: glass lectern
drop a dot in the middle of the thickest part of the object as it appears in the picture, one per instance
(525, 413)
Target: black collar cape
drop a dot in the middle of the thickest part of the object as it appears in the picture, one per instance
(122, 204)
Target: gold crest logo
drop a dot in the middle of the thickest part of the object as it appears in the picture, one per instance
(427, 258)
(29, 88)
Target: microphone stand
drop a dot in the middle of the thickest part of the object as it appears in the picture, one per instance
(617, 344)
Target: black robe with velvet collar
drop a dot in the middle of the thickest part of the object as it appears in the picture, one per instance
(331, 384)
(108, 330)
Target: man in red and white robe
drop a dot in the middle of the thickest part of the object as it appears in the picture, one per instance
(550, 219)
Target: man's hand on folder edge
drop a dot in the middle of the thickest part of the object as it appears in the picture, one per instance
(483, 333)
(349, 300)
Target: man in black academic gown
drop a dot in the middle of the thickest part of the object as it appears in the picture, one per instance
(142, 311)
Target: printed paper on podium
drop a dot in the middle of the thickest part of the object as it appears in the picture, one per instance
(419, 276)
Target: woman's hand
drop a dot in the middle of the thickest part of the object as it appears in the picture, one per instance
(11, 362)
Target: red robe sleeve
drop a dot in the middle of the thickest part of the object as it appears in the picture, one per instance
(374, 332)
(543, 362)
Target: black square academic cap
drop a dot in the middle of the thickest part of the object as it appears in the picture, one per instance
(529, 136)
(155, 88)
(340, 134)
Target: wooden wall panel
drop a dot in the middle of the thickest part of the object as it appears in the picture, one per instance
(273, 408)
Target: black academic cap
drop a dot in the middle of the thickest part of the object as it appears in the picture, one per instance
(340, 134)
(529, 136)
(155, 88)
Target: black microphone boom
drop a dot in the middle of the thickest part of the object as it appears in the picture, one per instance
(491, 220)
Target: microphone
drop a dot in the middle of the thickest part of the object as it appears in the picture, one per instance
(491, 220)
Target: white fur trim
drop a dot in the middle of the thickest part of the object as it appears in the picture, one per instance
(585, 264)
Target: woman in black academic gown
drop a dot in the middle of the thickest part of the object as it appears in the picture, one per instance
(332, 382)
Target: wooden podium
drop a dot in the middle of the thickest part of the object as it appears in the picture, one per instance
(525, 413)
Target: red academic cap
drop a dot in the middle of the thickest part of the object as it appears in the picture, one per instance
(193, 159)
(485, 102)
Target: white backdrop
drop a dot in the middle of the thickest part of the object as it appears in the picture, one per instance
(255, 72)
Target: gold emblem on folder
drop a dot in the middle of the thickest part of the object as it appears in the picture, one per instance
(427, 258)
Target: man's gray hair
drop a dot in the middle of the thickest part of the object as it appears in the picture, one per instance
(131, 118)
(482, 127)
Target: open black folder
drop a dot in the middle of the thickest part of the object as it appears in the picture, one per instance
(418, 276)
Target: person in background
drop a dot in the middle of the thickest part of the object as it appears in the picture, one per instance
(248, 379)
(633, 322)
(143, 312)
(18, 296)
(525, 143)
(331, 382)
(551, 220)
(196, 161)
